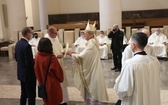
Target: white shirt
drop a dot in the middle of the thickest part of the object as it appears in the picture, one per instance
(34, 41)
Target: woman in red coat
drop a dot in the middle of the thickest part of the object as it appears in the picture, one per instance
(55, 73)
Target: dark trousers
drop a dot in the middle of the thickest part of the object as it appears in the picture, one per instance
(28, 90)
(117, 55)
(118, 102)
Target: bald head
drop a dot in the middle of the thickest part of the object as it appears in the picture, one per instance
(52, 32)
(115, 26)
(145, 31)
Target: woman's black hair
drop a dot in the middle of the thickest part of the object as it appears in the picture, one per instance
(45, 45)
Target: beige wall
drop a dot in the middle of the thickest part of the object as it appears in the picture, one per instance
(35, 12)
(72, 6)
(86, 6)
(53, 6)
(129, 5)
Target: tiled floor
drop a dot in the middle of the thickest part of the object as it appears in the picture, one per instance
(10, 90)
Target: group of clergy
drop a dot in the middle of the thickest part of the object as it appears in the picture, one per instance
(133, 79)
(138, 82)
(103, 41)
(157, 40)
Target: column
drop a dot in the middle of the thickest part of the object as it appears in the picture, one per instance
(35, 14)
(43, 14)
(1, 22)
(16, 16)
(110, 13)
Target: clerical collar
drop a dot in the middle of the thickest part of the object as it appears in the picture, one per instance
(140, 53)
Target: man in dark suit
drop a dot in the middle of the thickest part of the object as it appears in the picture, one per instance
(116, 46)
(25, 68)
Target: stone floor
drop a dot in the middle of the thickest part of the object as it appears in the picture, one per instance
(10, 90)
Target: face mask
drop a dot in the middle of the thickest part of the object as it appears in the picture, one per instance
(36, 37)
(157, 32)
(101, 35)
(83, 36)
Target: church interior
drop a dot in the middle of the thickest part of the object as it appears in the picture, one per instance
(70, 17)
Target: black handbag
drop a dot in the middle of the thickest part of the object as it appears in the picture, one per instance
(42, 88)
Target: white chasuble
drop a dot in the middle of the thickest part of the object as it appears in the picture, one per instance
(88, 73)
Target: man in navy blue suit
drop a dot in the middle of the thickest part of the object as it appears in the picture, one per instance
(25, 68)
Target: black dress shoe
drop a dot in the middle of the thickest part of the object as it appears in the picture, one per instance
(165, 59)
(63, 104)
(118, 102)
(118, 70)
(114, 68)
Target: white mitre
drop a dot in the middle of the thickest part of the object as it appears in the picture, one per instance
(90, 27)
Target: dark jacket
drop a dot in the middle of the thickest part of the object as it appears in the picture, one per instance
(25, 62)
(117, 40)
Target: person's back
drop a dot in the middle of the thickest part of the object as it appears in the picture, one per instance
(128, 53)
(144, 88)
(24, 61)
(59, 52)
(45, 60)
(139, 81)
(25, 69)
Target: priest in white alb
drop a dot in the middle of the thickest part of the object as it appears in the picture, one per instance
(88, 73)
(128, 53)
(34, 43)
(159, 42)
(139, 81)
(59, 52)
(103, 41)
(35, 40)
(80, 43)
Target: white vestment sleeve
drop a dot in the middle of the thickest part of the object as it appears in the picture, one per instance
(124, 83)
(127, 54)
